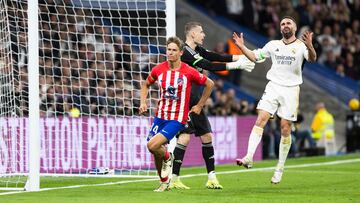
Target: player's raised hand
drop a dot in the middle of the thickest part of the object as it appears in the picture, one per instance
(239, 40)
(307, 38)
(196, 109)
(246, 64)
(143, 108)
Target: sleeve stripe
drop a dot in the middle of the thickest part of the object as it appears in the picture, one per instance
(151, 79)
(192, 52)
(195, 62)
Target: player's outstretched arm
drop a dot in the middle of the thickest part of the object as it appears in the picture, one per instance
(143, 95)
(242, 63)
(307, 39)
(209, 85)
(239, 41)
(213, 56)
(204, 61)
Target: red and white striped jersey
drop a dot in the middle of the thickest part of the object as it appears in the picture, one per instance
(175, 87)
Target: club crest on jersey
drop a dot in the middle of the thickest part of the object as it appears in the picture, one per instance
(180, 81)
(293, 51)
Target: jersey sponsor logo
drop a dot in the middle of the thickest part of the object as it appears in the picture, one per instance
(171, 90)
(171, 93)
(284, 60)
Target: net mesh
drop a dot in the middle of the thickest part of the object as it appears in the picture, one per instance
(92, 57)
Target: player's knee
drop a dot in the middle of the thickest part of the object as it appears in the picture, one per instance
(184, 139)
(149, 146)
(262, 119)
(152, 147)
(206, 138)
(261, 122)
(285, 129)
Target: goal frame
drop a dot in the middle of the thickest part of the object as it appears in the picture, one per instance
(33, 179)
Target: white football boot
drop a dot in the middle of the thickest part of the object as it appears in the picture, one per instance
(246, 162)
(277, 176)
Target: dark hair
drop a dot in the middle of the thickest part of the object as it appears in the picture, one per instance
(189, 26)
(288, 17)
(175, 40)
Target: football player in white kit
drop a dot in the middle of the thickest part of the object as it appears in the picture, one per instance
(281, 94)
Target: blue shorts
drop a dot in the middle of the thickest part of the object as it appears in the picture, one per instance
(168, 128)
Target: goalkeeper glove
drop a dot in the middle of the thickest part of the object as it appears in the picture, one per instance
(243, 63)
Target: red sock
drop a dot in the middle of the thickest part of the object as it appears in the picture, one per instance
(164, 179)
(167, 155)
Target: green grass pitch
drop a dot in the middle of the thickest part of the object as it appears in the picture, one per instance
(304, 180)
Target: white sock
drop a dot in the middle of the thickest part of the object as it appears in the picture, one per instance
(211, 175)
(254, 140)
(285, 144)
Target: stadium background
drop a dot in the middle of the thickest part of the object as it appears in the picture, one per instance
(322, 83)
(334, 79)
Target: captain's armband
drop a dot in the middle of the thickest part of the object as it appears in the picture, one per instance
(260, 58)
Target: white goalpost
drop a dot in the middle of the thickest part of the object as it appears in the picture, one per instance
(70, 73)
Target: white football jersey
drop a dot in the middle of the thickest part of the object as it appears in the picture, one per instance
(287, 61)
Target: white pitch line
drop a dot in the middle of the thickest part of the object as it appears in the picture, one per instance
(194, 175)
(80, 186)
(323, 172)
(272, 168)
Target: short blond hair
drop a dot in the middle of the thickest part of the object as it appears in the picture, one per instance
(190, 25)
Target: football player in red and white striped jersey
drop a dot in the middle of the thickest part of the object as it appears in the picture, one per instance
(174, 79)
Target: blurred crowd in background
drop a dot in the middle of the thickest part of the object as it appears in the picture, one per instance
(88, 68)
(85, 65)
(335, 23)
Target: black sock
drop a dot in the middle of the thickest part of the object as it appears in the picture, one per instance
(179, 153)
(208, 155)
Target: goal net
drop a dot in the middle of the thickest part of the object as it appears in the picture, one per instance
(92, 57)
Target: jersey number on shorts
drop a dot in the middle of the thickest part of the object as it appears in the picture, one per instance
(155, 129)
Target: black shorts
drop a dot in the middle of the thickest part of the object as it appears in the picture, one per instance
(198, 125)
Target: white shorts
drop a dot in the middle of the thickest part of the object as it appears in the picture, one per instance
(281, 99)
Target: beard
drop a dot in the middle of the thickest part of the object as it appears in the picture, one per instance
(287, 35)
